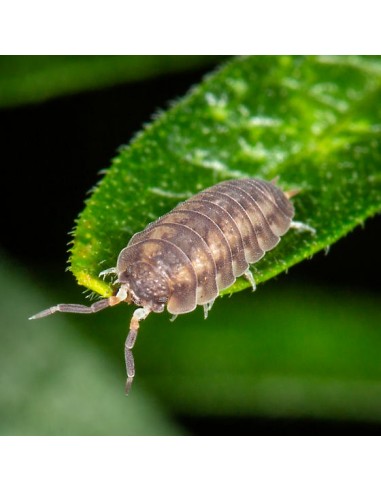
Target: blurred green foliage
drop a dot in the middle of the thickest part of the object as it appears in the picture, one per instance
(53, 381)
(283, 351)
(30, 79)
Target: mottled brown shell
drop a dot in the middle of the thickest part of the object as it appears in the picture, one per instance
(186, 257)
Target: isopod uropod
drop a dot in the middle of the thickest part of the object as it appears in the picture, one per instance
(186, 257)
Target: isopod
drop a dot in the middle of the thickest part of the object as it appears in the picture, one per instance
(186, 257)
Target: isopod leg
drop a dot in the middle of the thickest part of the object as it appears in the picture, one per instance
(249, 276)
(207, 307)
(301, 227)
(138, 316)
(108, 271)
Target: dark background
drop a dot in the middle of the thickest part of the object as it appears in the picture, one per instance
(52, 153)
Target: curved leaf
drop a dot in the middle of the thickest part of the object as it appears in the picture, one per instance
(312, 121)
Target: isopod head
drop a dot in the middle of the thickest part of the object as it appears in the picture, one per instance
(146, 286)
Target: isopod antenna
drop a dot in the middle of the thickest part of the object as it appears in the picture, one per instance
(74, 308)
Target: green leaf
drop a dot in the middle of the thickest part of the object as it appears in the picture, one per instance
(312, 121)
(30, 79)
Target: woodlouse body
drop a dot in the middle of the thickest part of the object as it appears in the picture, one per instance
(186, 257)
